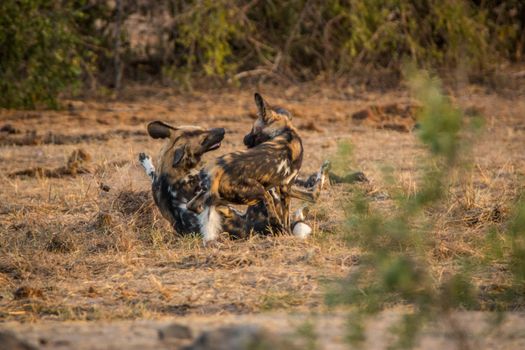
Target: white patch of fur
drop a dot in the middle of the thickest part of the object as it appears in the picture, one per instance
(147, 164)
(301, 230)
(274, 193)
(290, 178)
(283, 165)
(210, 223)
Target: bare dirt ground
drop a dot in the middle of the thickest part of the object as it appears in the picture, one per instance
(84, 251)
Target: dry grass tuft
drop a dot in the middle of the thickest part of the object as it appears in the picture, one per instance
(76, 164)
(26, 292)
(60, 243)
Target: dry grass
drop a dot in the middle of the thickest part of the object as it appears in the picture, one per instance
(93, 246)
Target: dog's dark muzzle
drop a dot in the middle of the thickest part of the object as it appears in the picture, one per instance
(213, 141)
(252, 140)
(249, 140)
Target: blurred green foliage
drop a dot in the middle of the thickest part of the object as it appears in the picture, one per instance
(397, 266)
(39, 54)
(49, 45)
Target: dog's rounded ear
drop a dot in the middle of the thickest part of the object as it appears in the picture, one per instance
(160, 130)
(178, 155)
(261, 104)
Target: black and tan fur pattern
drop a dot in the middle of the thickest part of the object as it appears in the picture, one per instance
(176, 181)
(245, 177)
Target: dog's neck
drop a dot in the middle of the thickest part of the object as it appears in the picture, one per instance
(288, 132)
(182, 184)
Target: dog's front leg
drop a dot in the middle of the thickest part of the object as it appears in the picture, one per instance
(285, 207)
(147, 164)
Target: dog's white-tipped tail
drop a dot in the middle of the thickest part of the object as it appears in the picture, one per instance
(147, 164)
(210, 223)
(301, 230)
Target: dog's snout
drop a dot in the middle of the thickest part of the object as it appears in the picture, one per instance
(248, 140)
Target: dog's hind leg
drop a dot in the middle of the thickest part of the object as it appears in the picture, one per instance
(310, 189)
(316, 178)
(147, 164)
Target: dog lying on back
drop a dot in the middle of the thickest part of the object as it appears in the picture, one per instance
(245, 177)
(176, 181)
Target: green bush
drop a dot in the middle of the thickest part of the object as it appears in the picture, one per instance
(208, 29)
(50, 46)
(40, 54)
(431, 32)
(301, 39)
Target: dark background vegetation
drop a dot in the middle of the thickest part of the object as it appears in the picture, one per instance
(54, 46)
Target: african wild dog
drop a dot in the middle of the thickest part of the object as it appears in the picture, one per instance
(176, 181)
(262, 131)
(245, 177)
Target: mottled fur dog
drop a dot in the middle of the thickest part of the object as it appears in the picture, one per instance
(176, 181)
(246, 177)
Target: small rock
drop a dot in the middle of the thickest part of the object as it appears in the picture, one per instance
(175, 331)
(9, 341)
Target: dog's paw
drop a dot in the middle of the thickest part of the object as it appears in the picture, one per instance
(147, 164)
